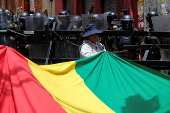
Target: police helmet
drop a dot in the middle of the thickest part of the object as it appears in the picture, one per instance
(8, 12)
(31, 14)
(51, 20)
(23, 15)
(3, 20)
(127, 22)
(39, 20)
(106, 13)
(148, 18)
(38, 14)
(9, 15)
(77, 20)
(151, 14)
(124, 11)
(64, 17)
(112, 16)
(2, 10)
(65, 12)
(98, 21)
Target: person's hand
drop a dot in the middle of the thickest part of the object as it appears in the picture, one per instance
(26, 47)
(11, 38)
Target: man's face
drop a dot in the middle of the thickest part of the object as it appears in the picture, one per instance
(122, 14)
(93, 38)
(46, 14)
(90, 9)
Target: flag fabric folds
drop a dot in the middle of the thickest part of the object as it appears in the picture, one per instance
(20, 91)
(103, 83)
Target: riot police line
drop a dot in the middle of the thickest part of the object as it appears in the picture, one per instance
(39, 32)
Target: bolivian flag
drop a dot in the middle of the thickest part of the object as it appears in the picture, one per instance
(104, 83)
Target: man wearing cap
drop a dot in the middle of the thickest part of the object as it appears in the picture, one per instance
(91, 45)
(122, 13)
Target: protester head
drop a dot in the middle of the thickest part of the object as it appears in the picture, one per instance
(91, 8)
(91, 33)
(123, 12)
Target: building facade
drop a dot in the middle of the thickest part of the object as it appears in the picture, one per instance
(79, 7)
(76, 7)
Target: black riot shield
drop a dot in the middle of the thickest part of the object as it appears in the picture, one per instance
(37, 49)
(3, 20)
(77, 23)
(33, 23)
(9, 15)
(6, 40)
(52, 23)
(64, 49)
(64, 22)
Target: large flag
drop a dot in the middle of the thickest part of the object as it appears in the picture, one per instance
(103, 83)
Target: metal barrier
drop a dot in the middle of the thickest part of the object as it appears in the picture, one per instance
(70, 40)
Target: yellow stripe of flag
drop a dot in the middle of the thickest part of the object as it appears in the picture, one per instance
(68, 88)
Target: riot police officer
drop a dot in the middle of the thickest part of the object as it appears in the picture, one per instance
(12, 24)
(77, 21)
(127, 25)
(38, 20)
(22, 17)
(9, 16)
(3, 19)
(6, 40)
(15, 22)
(22, 40)
(52, 23)
(149, 20)
(38, 47)
(64, 21)
(112, 25)
(65, 12)
(112, 20)
(154, 53)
